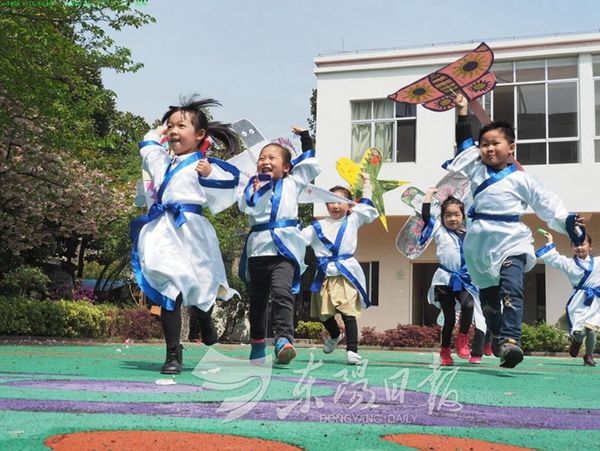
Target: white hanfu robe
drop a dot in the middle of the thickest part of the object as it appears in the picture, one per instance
(328, 243)
(583, 307)
(489, 242)
(449, 253)
(185, 259)
(275, 205)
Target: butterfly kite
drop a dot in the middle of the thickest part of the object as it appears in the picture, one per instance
(370, 164)
(469, 76)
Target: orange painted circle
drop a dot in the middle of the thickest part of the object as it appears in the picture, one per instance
(163, 440)
(426, 442)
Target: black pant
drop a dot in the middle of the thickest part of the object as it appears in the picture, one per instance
(271, 276)
(351, 331)
(171, 321)
(447, 298)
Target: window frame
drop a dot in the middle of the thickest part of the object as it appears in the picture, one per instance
(371, 271)
(373, 122)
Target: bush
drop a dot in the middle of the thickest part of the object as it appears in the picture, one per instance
(544, 338)
(75, 319)
(25, 280)
(139, 324)
(310, 329)
(411, 336)
(369, 337)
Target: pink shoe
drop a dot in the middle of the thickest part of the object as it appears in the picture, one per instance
(487, 349)
(446, 358)
(462, 346)
(475, 359)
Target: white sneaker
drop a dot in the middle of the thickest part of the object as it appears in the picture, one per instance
(353, 358)
(331, 343)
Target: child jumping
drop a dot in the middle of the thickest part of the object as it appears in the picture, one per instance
(498, 246)
(275, 248)
(583, 307)
(451, 282)
(176, 257)
(339, 285)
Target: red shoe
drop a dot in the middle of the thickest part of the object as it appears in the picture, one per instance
(462, 346)
(487, 349)
(446, 358)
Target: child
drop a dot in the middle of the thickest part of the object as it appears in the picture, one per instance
(497, 246)
(451, 282)
(339, 285)
(583, 307)
(274, 248)
(176, 256)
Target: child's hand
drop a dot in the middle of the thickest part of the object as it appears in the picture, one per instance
(297, 130)
(430, 192)
(580, 221)
(548, 235)
(203, 167)
(366, 178)
(160, 130)
(462, 105)
(256, 184)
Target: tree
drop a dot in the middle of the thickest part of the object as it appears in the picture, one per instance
(56, 172)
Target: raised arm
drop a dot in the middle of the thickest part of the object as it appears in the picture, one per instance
(304, 137)
(463, 127)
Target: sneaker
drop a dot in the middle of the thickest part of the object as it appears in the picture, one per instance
(284, 351)
(257, 353)
(487, 349)
(495, 346)
(462, 346)
(331, 343)
(588, 360)
(353, 358)
(510, 354)
(475, 360)
(575, 348)
(446, 357)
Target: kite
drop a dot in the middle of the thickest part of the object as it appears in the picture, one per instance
(469, 76)
(370, 164)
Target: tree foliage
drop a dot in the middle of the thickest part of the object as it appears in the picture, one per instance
(65, 152)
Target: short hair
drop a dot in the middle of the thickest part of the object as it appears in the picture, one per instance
(504, 127)
(286, 154)
(219, 130)
(346, 191)
(452, 201)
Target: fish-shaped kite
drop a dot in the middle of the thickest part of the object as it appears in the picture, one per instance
(469, 76)
(371, 164)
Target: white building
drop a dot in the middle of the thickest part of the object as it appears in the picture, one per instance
(548, 87)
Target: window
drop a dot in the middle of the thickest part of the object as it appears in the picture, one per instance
(387, 125)
(371, 270)
(596, 71)
(540, 98)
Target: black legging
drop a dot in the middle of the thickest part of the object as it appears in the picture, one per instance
(447, 298)
(171, 321)
(351, 331)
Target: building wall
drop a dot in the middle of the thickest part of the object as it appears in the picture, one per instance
(348, 78)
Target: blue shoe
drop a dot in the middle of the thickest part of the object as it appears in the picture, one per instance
(257, 354)
(284, 351)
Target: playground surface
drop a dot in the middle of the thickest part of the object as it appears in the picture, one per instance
(71, 396)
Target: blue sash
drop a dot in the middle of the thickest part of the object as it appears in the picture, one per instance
(460, 278)
(590, 292)
(337, 258)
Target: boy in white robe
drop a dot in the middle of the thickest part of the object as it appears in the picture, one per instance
(274, 250)
(498, 246)
(583, 307)
(340, 285)
(176, 257)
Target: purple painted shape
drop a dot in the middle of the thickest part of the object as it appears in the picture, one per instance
(103, 386)
(414, 411)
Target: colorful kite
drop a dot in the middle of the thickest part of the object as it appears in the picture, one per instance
(469, 76)
(370, 164)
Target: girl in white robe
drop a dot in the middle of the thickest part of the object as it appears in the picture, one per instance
(340, 285)
(176, 257)
(583, 307)
(451, 284)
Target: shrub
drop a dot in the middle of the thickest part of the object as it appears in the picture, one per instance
(309, 329)
(25, 280)
(411, 336)
(369, 337)
(543, 338)
(139, 324)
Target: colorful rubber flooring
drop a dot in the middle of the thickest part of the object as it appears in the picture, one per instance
(112, 397)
